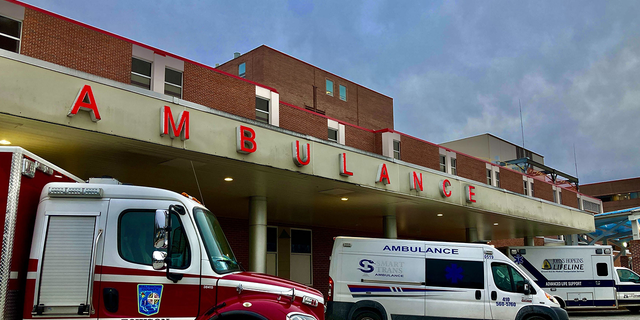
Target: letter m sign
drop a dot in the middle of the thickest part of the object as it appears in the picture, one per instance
(168, 126)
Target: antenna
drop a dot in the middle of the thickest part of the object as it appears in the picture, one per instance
(575, 160)
(197, 183)
(521, 123)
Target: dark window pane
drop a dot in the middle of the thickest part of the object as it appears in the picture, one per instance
(10, 27)
(135, 239)
(501, 277)
(329, 85)
(300, 241)
(9, 44)
(261, 116)
(262, 104)
(173, 77)
(333, 134)
(343, 93)
(141, 67)
(272, 239)
(455, 274)
(140, 81)
(172, 90)
(602, 269)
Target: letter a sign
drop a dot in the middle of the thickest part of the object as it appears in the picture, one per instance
(85, 102)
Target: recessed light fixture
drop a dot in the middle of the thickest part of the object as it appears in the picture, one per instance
(228, 179)
(440, 214)
(5, 142)
(495, 223)
(344, 198)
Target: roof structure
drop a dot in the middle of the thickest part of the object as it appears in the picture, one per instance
(616, 227)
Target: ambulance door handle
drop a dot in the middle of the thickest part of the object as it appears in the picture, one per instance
(478, 295)
(494, 295)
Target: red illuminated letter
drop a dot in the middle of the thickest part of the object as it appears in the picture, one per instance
(383, 174)
(469, 194)
(343, 165)
(168, 126)
(245, 140)
(298, 158)
(85, 102)
(415, 183)
(444, 184)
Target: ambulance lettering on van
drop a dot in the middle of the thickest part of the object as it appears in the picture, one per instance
(419, 249)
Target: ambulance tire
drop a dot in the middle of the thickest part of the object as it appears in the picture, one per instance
(634, 309)
(367, 315)
(536, 317)
(561, 302)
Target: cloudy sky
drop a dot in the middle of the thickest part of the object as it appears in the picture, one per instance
(454, 69)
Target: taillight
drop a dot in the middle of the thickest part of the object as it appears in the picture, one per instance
(330, 292)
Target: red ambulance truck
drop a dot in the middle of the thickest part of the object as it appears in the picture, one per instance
(103, 250)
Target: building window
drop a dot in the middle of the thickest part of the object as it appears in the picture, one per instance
(330, 87)
(497, 179)
(396, 149)
(590, 206)
(343, 93)
(301, 256)
(141, 73)
(555, 196)
(333, 135)
(242, 69)
(135, 239)
(489, 180)
(531, 187)
(454, 166)
(443, 163)
(559, 196)
(173, 83)
(262, 110)
(526, 187)
(10, 34)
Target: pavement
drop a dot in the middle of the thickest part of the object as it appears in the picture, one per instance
(608, 315)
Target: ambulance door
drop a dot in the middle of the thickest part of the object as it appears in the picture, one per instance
(455, 283)
(603, 283)
(506, 290)
(130, 287)
(70, 244)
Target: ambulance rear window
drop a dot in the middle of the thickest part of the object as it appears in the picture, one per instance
(455, 273)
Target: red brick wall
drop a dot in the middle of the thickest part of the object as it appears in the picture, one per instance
(420, 153)
(542, 190)
(218, 91)
(511, 181)
(378, 143)
(502, 243)
(634, 248)
(303, 122)
(55, 40)
(295, 81)
(471, 168)
(569, 198)
(359, 139)
(611, 187)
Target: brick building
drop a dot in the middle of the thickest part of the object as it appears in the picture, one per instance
(393, 184)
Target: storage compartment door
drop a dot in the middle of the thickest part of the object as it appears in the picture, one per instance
(65, 271)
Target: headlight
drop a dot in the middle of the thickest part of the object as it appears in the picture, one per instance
(310, 301)
(300, 316)
(551, 298)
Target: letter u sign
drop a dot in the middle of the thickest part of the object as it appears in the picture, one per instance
(301, 155)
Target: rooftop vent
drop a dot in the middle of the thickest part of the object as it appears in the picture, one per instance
(236, 55)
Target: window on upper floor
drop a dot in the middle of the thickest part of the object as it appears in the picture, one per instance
(10, 34)
(173, 83)
(242, 69)
(396, 149)
(559, 196)
(343, 92)
(498, 179)
(531, 186)
(454, 166)
(262, 110)
(443, 163)
(525, 185)
(333, 134)
(141, 73)
(329, 85)
(489, 178)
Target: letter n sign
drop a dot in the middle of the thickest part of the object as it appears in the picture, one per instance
(168, 126)
(415, 181)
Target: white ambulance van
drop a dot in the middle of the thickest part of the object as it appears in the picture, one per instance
(384, 279)
(580, 277)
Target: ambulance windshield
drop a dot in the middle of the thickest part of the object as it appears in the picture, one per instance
(220, 255)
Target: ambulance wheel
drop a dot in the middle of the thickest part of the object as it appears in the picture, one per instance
(561, 302)
(634, 309)
(367, 315)
(536, 318)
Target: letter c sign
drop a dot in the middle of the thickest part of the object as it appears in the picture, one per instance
(444, 191)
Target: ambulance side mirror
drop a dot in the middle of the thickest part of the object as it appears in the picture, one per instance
(158, 262)
(160, 240)
(526, 289)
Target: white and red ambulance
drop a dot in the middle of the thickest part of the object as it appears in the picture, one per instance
(103, 250)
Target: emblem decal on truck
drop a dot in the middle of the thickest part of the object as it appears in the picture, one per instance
(149, 297)
(366, 265)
